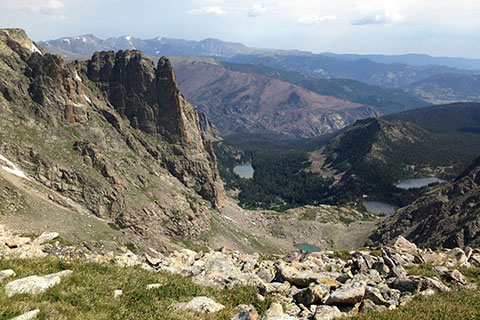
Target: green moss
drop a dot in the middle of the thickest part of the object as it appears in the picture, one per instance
(341, 254)
(421, 270)
(308, 215)
(113, 226)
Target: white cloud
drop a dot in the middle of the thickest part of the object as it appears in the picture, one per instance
(214, 11)
(257, 10)
(48, 7)
(385, 16)
(314, 18)
(208, 2)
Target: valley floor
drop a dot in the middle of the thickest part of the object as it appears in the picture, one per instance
(325, 227)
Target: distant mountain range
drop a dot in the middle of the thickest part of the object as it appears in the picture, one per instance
(257, 99)
(444, 88)
(413, 60)
(392, 71)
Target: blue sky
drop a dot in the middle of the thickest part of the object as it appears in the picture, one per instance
(436, 27)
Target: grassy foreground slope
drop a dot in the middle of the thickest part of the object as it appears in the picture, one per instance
(88, 293)
(453, 305)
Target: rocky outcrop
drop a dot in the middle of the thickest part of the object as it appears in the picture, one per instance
(151, 101)
(446, 216)
(112, 136)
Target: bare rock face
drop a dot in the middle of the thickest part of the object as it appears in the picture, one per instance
(113, 136)
(150, 99)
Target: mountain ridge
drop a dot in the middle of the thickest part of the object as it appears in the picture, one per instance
(249, 103)
(112, 135)
(313, 65)
(446, 216)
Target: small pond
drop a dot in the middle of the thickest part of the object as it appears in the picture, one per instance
(244, 170)
(307, 247)
(417, 183)
(378, 208)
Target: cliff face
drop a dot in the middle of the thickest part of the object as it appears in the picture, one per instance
(150, 99)
(448, 216)
(112, 136)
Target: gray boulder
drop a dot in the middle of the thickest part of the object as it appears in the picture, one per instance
(35, 284)
(350, 293)
(327, 313)
(200, 304)
(28, 316)
(4, 274)
(45, 237)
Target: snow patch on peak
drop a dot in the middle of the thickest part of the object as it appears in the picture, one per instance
(77, 77)
(128, 38)
(87, 99)
(66, 40)
(11, 167)
(84, 40)
(34, 48)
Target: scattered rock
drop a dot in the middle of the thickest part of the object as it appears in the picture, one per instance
(347, 294)
(200, 304)
(454, 276)
(17, 242)
(4, 274)
(247, 312)
(34, 284)
(117, 294)
(415, 284)
(154, 286)
(314, 293)
(327, 313)
(45, 237)
(403, 244)
(27, 316)
(275, 312)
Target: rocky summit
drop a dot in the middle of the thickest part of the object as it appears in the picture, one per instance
(111, 136)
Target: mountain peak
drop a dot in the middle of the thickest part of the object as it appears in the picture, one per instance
(11, 38)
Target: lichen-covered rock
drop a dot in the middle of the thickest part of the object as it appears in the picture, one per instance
(324, 312)
(5, 274)
(247, 312)
(28, 316)
(403, 244)
(45, 237)
(200, 304)
(415, 284)
(347, 294)
(35, 284)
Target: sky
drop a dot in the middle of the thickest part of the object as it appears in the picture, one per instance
(435, 27)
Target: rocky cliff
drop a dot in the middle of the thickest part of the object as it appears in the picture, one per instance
(447, 216)
(112, 135)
